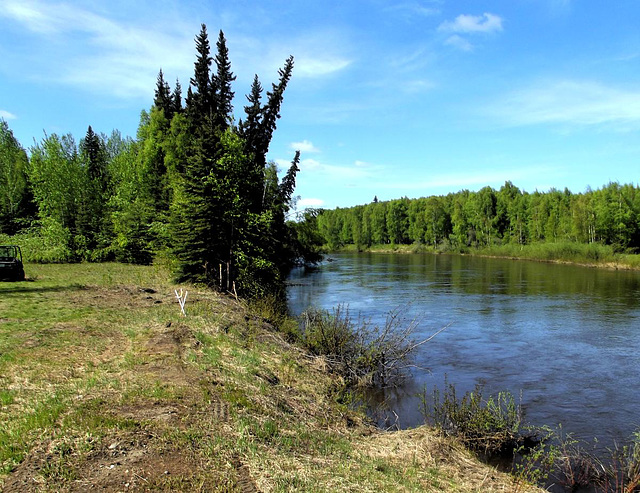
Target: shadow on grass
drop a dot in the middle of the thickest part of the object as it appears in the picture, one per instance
(29, 287)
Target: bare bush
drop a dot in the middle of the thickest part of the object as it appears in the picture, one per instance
(363, 353)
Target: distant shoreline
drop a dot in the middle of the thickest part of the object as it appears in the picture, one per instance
(593, 255)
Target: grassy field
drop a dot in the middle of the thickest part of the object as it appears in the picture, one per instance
(104, 385)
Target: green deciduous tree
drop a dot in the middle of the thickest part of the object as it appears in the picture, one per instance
(16, 205)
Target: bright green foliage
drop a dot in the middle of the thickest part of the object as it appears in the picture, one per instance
(58, 181)
(16, 208)
(131, 210)
(487, 218)
(379, 232)
(309, 240)
(491, 425)
(398, 221)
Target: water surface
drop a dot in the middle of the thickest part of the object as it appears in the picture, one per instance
(566, 337)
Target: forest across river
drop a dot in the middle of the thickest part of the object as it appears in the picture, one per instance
(564, 337)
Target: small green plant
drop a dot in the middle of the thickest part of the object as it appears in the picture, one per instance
(574, 467)
(533, 465)
(622, 474)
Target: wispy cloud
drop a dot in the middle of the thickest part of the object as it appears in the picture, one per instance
(304, 146)
(411, 10)
(318, 53)
(100, 54)
(5, 115)
(469, 25)
(417, 86)
(314, 169)
(571, 102)
(459, 42)
(485, 23)
(317, 65)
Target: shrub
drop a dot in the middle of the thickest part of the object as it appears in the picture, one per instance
(490, 425)
(364, 354)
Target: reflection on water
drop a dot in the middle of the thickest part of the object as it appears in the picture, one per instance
(568, 337)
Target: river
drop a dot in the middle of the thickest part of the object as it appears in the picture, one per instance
(565, 337)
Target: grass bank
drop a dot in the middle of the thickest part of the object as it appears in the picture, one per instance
(105, 386)
(592, 255)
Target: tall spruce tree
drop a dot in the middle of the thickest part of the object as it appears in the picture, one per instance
(221, 82)
(176, 99)
(200, 95)
(223, 230)
(163, 99)
(91, 224)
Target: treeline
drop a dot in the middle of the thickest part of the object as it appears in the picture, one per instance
(488, 217)
(194, 184)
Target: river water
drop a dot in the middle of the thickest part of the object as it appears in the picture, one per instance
(566, 338)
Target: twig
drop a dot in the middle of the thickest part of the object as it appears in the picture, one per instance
(182, 299)
(143, 479)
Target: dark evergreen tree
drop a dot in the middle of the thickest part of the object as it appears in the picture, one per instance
(92, 147)
(176, 98)
(221, 82)
(200, 99)
(271, 111)
(224, 230)
(91, 225)
(163, 99)
(249, 129)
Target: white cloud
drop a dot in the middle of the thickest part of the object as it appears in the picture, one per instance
(7, 116)
(302, 203)
(484, 23)
(315, 168)
(319, 65)
(29, 14)
(317, 53)
(570, 102)
(101, 55)
(459, 42)
(304, 146)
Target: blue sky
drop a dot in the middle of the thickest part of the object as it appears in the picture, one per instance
(388, 98)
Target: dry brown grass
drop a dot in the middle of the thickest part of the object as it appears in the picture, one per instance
(108, 388)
